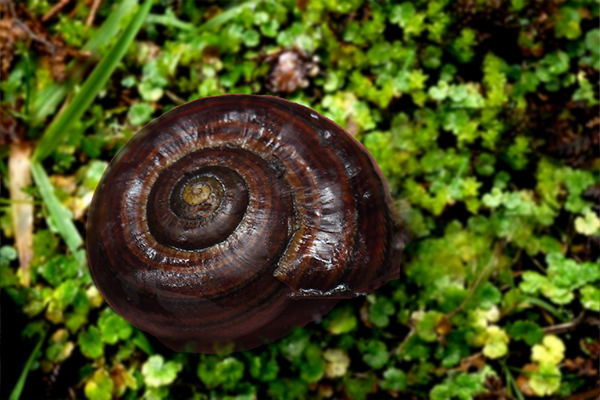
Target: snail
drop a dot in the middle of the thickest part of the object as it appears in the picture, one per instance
(230, 221)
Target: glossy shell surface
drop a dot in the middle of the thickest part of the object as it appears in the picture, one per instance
(232, 220)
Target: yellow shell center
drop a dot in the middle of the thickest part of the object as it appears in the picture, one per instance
(196, 193)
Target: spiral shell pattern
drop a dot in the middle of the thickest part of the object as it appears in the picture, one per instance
(232, 220)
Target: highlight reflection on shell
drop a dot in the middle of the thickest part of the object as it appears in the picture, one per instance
(234, 219)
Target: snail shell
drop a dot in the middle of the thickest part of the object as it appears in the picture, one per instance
(232, 220)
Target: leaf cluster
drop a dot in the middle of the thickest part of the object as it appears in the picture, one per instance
(481, 114)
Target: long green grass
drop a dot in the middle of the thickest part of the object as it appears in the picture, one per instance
(59, 127)
(48, 100)
(18, 389)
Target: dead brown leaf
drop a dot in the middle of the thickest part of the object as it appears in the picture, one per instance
(523, 379)
(19, 172)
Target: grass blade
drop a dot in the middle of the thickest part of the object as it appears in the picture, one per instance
(110, 27)
(510, 382)
(95, 82)
(141, 341)
(16, 393)
(169, 19)
(59, 214)
(47, 101)
(548, 307)
(226, 16)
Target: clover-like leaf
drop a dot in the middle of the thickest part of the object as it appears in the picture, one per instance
(494, 198)
(546, 380)
(566, 273)
(592, 41)
(532, 282)
(287, 389)
(208, 372)
(251, 38)
(487, 296)
(90, 343)
(336, 363)
(214, 372)
(528, 331)
(426, 325)
(380, 311)
(233, 371)
(341, 320)
(293, 346)
(460, 386)
(156, 393)
(567, 25)
(439, 92)
(358, 389)
(402, 14)
(415, 349)
(113, 327)
(140, 113)
(99, 386)
(550, 352)
(65, 293)
(312, 366)
(7, 254)
(263, 367)
(157, 372)
(589, 224)
(394, 379)
(60, 268)
(59, 347)
(590, 297)
(376, 354)
(496, 343)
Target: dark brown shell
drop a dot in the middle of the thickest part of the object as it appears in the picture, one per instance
(232, 220)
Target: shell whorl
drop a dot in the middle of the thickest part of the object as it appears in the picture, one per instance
(237, 218)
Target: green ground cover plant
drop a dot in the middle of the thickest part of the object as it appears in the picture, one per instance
(482, 114)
